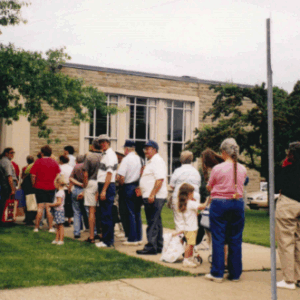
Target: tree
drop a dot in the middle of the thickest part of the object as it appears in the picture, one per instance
(10, 12)
(28, 78)
(249, 128)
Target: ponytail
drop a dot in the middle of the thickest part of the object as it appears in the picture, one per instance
(6, 150)
(183, 194)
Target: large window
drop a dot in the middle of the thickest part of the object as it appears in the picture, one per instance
(179, 130)
(105, 123)
(141, 121)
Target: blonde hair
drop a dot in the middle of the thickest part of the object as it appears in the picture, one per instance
(60, 180)
(186, 157)
(183, 193)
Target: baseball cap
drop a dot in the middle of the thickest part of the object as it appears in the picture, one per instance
(152, 144)
(103, 137)
(129, 144)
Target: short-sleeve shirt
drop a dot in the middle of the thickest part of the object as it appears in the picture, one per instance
(109, 164)
(190, 216)
(222, 180)
(66, 170)
(72, 160)
(60, 194)
(130, 167)
(155, 169)
(186, 174)
(91, 164)
(77, 173)
(45, 169)
(8, 167)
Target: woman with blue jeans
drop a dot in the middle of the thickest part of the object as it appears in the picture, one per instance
(76, 180)
(227, 217)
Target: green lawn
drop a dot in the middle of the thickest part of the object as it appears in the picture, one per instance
(29, 259)
(256, 230)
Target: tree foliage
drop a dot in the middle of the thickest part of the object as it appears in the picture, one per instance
(28, 79)
(10, 12)
(250, 128)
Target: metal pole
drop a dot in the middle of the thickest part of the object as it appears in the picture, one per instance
(271, 165)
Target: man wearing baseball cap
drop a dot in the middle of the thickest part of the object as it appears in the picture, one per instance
(129, 174)
(153, 185)
(107, 190)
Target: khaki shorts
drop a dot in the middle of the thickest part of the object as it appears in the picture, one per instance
(90, 192)
(191, 237)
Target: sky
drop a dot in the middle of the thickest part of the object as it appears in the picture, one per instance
(219, 40)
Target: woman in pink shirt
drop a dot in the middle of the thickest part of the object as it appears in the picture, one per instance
(226, 184)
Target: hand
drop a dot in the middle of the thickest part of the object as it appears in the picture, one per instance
(103, 196)
(80, 196)
(151, 199)
(13, 191)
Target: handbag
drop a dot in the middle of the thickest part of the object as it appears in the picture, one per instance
(205, 218)
(10, 210)
(31, 202)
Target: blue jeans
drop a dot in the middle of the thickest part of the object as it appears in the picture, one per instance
(227, 220)
(76, 210)
(106, 213)
(134, 213)
(154, 229)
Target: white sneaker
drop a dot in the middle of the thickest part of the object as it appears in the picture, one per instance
(101, 245)
(59, 243)
(212, 278)
(35, 230)
(54, 242)
(188, 264)
(127, 243)
(52, 230)
(283, 285)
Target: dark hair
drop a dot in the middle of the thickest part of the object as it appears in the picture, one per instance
(64, 159)
(6, 150)
(39, 155)
(29, 159)
(70, 149)
(96, 144)
(80, 158)
(46, 150)
(183, 193)
(209, 159)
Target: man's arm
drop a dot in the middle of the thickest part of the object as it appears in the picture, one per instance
(157, 186)
(120, 179)
(33, 177)
(76, 182)
(85, 179)
(11, 184)
(106, 184)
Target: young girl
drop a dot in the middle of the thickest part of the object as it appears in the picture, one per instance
(59, 211)
(189, 208)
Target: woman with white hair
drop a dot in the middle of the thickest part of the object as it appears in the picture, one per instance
(226, 185)
(184, 174)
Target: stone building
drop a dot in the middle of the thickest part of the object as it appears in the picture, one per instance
(166, 109)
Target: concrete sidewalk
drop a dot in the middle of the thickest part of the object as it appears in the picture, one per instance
(254, 285)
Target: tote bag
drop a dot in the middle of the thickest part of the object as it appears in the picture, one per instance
(31, 202)
(205, 218)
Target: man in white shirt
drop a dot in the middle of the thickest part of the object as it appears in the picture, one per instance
(129, 174)
(69, 151)
(153, 184)
(107, 190)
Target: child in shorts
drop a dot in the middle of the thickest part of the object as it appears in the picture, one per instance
(189, 208)
(59, 211)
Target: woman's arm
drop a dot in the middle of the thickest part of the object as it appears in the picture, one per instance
(76, 182)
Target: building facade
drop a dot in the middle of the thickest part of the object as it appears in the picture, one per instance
(166, 109)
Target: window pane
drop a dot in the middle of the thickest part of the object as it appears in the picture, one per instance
(131, 126)
(139, 146)
(141, 122)
(152, 102)
(178, 104)
(151, 123)
(131, 100)
(92, 123)
(169, 159)
(113, 99)
(169, 121)
(188, 105)
(169, 103)
(101, 124)
(141, 101)
(177, 125)
(177, 148)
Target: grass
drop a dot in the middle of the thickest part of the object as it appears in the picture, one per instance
(28, 259)
(257, 226)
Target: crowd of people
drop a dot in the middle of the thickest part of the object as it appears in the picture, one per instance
(102, 188)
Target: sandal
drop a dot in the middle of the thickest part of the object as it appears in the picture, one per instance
(91, 241)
